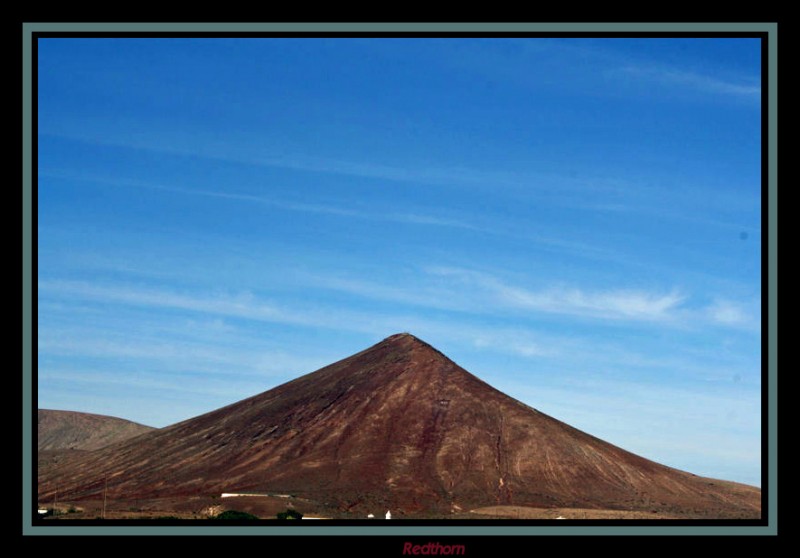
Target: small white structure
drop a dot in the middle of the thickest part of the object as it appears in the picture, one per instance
(388, 514)
(371, 516)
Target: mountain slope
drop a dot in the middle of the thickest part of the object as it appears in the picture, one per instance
(59, 430)
(398, 425)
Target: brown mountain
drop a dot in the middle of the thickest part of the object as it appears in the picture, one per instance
(397, 426)
(60, 430)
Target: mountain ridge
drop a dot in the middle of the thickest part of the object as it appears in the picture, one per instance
(400, 425)
(74, 430)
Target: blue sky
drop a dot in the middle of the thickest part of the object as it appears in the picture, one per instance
(575, 221)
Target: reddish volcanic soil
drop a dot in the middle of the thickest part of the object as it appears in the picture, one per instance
(398, 426)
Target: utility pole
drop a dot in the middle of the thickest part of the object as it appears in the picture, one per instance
(105, 491)
(55, 495)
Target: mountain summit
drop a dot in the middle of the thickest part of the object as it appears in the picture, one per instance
(401, 426)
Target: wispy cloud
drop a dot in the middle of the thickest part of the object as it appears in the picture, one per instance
(426, 175)
(699, 82)
(575, 62)
(616, 304)
(520, 182)
(130, 380)
(502, 229)
(481, 293)
(520, 343)
(137, 335)
(377, 291)
(421, 219)
(241, 305)
(247, 306)
(168, 351)
(526, 185)
(666, 307)
(605, 58)
(735, 314)
(612, 304)
(327, 209)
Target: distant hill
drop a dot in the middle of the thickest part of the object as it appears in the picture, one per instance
(62, 430)
(397, 426)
